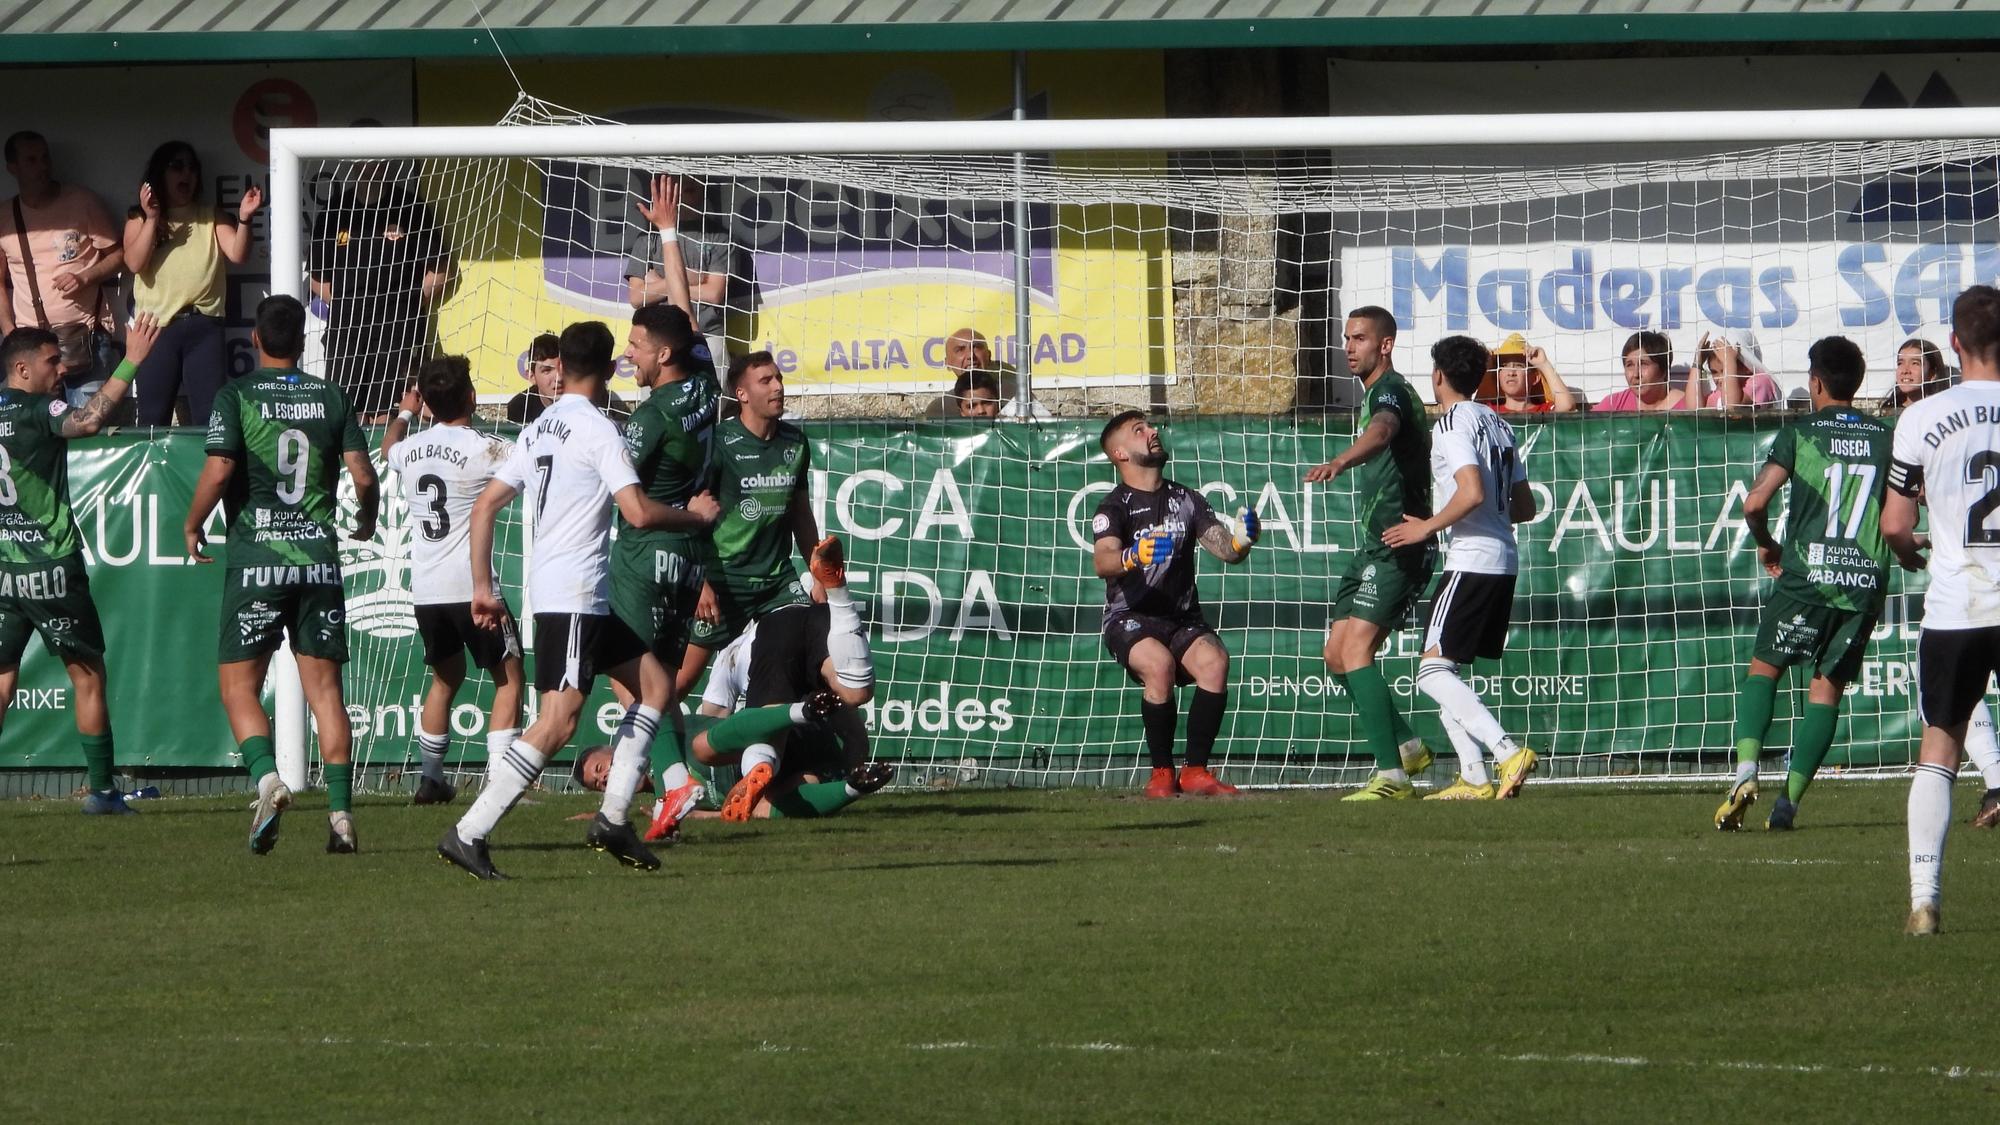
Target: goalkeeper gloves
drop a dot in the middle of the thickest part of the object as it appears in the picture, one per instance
(1252, 528)
(1150, 550)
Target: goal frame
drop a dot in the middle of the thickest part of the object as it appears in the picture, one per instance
(290, 148)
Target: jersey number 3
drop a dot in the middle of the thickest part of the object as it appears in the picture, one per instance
(436, 519)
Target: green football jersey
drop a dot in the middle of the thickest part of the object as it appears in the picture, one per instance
(1834, 553)
(286, 431)
(1396, 481)
(671, 437)
(751, 549)
(36, 525)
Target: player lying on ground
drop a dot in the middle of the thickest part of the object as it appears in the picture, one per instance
(276, 441)
(1153, 624)
(443, 470)
(1948, 448)
(817, 779)
(1392, 451)
(44, 588)
(1482, 492)
(573, 466)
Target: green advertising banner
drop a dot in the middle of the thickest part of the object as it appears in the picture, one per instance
(969, 548)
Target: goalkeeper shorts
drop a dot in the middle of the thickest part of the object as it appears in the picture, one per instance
(1178, 634)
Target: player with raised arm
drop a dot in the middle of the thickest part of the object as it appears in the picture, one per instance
(44, 587)
(443, 471)
(1392, 453)
(1832, 573)
(573, 467)
(761, 466)
(1948, 448)
(1482, 492)
(656, 576)
(277, 439)
(1153, 624)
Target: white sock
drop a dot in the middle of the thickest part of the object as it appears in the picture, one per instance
(1471, 755)
(762, 753)
(1397, 774)
(1745, 771)
(1438, 678)
(629, 751)
(1981, 747)
(1930, 818)
(675, 776)
(511, 775)
(497, 742)
(432, 747)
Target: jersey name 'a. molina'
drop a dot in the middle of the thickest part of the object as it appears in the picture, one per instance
(1155, 591)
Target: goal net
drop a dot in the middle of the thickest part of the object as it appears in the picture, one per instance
(1201, 271)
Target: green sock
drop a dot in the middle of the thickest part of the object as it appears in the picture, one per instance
(1812, 738)
(258, 757)
(1753, 715)
(746, 728)
(669, 748)
(97, 759)
(340, 788)
(821, 798)
(1403, 731)
(1377, 709)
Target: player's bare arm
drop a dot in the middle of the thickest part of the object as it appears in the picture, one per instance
(399, 426)
(89, 418)
(641, 510)
(487, 608)
(1381, 430)
(208, 489)
(367, 493)
(1899, 530)
(1757, 516)
(1229, 546)
(663, 210)
(1470, 495)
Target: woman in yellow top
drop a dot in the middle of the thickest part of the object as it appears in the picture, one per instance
(175, 246)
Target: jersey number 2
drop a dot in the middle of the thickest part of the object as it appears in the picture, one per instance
(1983, 467)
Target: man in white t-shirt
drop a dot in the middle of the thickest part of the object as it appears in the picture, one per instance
(573, 466)
(1947, 447)
(444, 469)
(1482, 492)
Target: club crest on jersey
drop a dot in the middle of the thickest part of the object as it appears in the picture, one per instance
(1101, 524)
(1368, 573)
(57, 408)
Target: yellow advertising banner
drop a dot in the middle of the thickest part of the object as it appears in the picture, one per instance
(852, 286)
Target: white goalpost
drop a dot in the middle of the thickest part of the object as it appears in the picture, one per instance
(1197, 268)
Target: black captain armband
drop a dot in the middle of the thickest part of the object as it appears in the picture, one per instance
(1906, 478)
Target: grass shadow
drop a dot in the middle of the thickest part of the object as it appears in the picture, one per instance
(941, 808)
(912, 865)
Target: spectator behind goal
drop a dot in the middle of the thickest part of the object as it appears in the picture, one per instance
(1525, 380)
(1649, 359)
(1920, 373)
(59, 251)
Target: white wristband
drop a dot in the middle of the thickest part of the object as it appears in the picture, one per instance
(406, 416)
(670, 232)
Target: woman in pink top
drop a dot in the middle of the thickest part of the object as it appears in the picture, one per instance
(1741, 379)
(1649, 357)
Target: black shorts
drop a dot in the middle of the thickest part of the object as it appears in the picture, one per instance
(448, 630)
(1954, 667)
(572, 649)
(785, 658)
(1177, 633)
(1469, 616)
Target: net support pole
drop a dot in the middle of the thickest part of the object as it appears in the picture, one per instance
(288, 719)
(1024, 345)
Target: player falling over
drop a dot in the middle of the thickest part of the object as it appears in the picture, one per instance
(1832, 572)
(1482, 491)
(443, 471)
(1947, 447)
(1392, 452)
(656, 575)
(276, 441)
(806, 674)
(1153, 624)
(761, 467)
(573, 467)
(44, 588)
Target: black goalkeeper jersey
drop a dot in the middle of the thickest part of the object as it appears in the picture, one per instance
(1155, 591)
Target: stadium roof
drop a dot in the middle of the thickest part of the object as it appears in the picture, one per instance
(123, 31)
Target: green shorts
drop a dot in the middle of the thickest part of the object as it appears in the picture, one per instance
(654, 588)
(1382, 588)
(260, 604)
(52, 599)
(740, 609)
(1832, 642)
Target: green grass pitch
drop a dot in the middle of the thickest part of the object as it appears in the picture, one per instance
(1592, 954)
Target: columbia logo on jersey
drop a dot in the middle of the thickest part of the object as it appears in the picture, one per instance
(768, 480)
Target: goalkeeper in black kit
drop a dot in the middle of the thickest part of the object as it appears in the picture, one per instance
(1145, 532)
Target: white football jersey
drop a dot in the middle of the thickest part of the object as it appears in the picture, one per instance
(1472, 434)
(567, 466)
(444, 469)
(1949, 446)
(729, 675)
